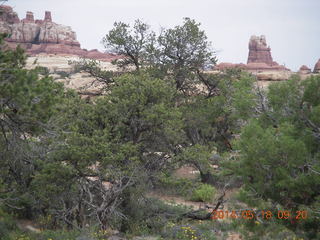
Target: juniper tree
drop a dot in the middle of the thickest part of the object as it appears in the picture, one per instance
(279, 153)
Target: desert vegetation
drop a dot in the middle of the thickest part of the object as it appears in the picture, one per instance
(97, 169)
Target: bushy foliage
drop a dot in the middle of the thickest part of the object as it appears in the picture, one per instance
(27, 103)
(71, 163)
(7, 224)
(279, 158)
(180, 53)
(176, 186)
(204, 193)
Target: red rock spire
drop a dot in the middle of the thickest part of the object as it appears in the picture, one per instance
(29, 17)
(47, 17)
(259, 52)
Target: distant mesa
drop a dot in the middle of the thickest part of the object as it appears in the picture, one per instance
(43, 36)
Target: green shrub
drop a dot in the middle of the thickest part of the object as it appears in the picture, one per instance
(187, 232)
(60, 235)
(150, 215)
(204, 193)
(177, 186)
(42, 70)
(49, 235)
(7, 224)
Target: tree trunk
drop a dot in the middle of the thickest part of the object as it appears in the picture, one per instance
(207, 177)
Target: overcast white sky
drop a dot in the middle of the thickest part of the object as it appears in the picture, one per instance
(292, 27)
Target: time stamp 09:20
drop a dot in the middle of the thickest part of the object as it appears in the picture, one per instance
(264, 214)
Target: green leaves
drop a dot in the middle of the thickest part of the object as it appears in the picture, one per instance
(27, 103)
(134, 44)
(185, 51)
(311, 92)
(181, 52)
(186, 45)
(273, 164)
(214, 119)
(53, 180)
(141, 108)
(80, 160)
(197, 156)
(25, 99)
(278, 158)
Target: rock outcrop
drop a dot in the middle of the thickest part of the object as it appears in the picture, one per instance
(43, 36)
(259, 52)
(47, 17)
(304, 70)
(7, 15)
(317, 67)
(260, 62)
(29, 18)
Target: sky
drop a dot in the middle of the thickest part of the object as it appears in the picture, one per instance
(291, 27)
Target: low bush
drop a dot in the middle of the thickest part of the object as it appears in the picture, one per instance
(177, 186)
(42, 70)
(150, 215)
(204, 193)
(7, 225)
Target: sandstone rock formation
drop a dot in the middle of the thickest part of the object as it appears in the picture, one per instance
(43, 36)
(61, 71)
(259, 52)
(7, 15)
(29, 18)
(35, 32)
(47, 17)
(317, 67)
(260, 62)
(304, 70)
(225, 65)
